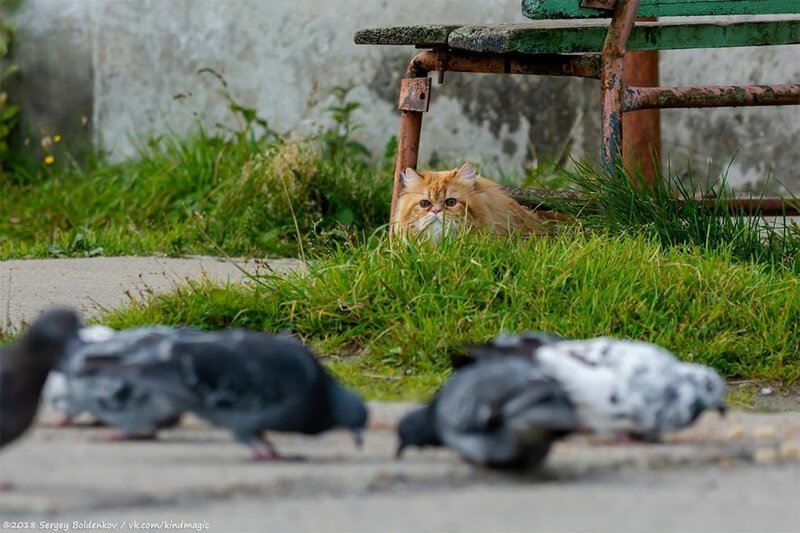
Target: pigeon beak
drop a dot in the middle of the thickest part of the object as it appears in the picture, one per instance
(358, 437)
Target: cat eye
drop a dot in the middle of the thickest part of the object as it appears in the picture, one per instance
(450, 202)
(424, 204)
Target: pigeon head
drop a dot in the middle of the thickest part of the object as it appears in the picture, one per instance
(51, 332)
(417, 428)
(708, 385)
(349, 411)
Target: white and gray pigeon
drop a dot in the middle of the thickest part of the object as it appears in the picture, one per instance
(56, 393)
(92, 382)
(500, 413)
(246, 381)
(619, 387)
(24, 367)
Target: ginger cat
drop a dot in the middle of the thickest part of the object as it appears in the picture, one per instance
(435, 203)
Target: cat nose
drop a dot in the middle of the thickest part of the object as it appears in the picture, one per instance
(436, 209)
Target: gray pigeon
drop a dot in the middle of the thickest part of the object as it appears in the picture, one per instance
(246, 381)
(24, 367)
(619, 387)
(500, 413)
(93, 382)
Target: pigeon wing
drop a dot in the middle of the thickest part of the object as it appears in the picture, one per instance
(493, 410)
(248, 381)
(129, 381)
(505, 345)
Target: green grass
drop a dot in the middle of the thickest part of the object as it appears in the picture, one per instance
(387, 316)
(713, 286)
(201, 194)
(671, 211)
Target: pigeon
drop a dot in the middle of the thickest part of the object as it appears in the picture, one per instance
(25, 365)
(502, 345)
(94, 384)
(245, 381)
(56, 393)
(622, 388)
(501, 413)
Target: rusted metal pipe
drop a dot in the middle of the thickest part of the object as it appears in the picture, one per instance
(544, 201)
(407, 154)
(612, 83)
(583, 66)
(720, 96)
(768, 207)
(641, 139)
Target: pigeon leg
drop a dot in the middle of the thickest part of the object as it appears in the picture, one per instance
(6, 486)
(264, 451)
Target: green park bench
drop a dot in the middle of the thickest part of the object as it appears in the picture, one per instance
(588, 39)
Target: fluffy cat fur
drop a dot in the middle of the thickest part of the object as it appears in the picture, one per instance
(435, 203)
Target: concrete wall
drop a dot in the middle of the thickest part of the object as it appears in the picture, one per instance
(131, 67)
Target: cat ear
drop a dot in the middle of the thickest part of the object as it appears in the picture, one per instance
(410, 177)
(467, 173)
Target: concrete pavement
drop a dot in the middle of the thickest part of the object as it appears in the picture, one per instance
(96, 283)
(741, 473)
(735, 474)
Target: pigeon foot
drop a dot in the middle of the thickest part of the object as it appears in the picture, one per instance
(264, 452)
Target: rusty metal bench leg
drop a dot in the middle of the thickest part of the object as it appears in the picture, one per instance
(612, 84)
(415, 94)
(642, 136)
(407, 153)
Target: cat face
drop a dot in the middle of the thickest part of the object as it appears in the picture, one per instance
(435, 203)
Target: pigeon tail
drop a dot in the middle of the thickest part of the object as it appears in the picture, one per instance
(505, 345)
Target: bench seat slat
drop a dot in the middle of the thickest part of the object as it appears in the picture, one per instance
(586, 36)
(545, 37)
(559, 9)
(426, 35)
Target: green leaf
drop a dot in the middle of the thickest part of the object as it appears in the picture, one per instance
(8, 112)
(56, 250)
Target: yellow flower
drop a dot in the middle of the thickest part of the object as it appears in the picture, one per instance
(56, 138)
(49, 159)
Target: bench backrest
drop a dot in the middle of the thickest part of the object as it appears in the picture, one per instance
(561, 9)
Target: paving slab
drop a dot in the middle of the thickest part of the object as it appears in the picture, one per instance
(93, 284)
